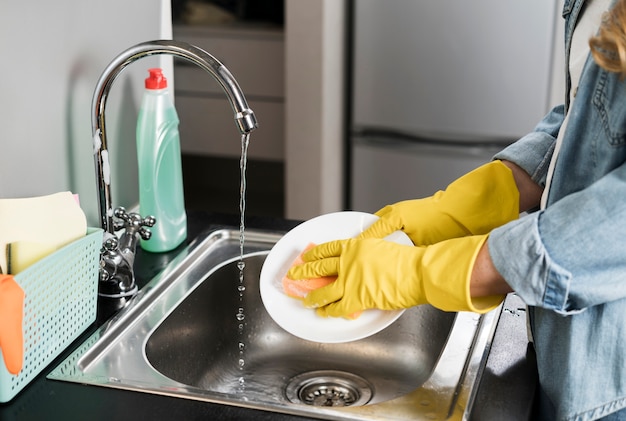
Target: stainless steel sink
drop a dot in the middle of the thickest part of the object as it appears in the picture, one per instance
(197, 332)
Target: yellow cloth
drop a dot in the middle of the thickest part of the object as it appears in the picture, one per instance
(474, 204)
(53, 220)
(374, 273)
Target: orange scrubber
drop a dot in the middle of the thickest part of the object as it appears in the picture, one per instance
(11, 315)
(299, 288)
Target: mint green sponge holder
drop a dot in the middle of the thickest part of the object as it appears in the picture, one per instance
(61, 296)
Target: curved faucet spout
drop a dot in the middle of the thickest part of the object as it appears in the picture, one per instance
(116, 272)
(244, 116)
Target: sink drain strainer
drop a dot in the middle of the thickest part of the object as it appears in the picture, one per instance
(329, 388)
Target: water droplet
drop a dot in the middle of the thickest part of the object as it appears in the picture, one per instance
(241, 288)
(242, 362)
(240, 316)
(242, 346)
(241, 265)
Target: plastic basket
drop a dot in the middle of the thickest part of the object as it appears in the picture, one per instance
(61, 295)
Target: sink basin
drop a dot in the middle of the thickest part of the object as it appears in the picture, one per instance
(214, 356)
(199, 330)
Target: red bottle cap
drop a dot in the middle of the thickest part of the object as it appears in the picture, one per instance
(156, 79)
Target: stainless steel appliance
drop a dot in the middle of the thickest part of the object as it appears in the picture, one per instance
(440, 86)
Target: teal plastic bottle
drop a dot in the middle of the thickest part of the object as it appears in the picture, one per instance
(159, 162)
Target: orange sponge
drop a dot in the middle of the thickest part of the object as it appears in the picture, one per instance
(299, 288)
(11, 316)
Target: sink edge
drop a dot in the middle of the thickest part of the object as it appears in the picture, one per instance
(456, 375)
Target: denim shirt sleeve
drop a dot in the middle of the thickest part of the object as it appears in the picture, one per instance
(533, 152)
(571, 255)
(566, 260)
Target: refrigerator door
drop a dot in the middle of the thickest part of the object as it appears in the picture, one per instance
(385, 172)
(431, 78)
(451, 67)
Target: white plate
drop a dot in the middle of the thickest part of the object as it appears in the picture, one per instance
(290, 313)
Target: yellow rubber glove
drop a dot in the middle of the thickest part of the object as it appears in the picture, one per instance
(374, 273)
(474, 204)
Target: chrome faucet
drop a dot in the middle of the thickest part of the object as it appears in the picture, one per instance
(117, 278)
(116, 273)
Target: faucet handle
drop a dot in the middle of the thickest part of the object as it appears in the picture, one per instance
(133, 223)
(117, 278)
(144, 232)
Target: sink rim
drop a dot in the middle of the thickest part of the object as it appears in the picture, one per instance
(455, 377)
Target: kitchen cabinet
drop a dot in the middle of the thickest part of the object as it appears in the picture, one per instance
(255, 56)
(303, 126)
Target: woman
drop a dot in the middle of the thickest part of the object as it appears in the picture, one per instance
(566, 258)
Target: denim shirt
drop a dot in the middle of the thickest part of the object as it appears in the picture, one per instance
(568, 261)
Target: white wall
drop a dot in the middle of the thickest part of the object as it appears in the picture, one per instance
(314, 111)
(52, 55)
(557, 84)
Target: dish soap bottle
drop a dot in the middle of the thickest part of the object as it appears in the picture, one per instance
(159, 163)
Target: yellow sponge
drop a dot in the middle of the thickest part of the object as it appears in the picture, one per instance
(38, 223)
(22, 254)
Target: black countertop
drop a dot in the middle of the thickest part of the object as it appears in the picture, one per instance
(506, 390)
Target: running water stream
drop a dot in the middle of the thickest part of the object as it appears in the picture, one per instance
(245, 140)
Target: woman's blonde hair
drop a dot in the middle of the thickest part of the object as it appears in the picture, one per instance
(609, 46)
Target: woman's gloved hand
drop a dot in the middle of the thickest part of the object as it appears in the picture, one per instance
(474, 204)
(374, 273)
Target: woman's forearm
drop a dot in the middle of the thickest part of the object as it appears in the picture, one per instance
(529, 191)
(485, 278)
